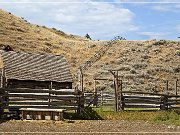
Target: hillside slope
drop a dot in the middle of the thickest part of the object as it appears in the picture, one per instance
(141, 64)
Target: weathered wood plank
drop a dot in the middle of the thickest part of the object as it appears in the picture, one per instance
(140, 106)
(139, 92)
(141, 102)
(26, 90)
(174, 107)
(54, 107)
(43, 103)
(171, 100)
(141, 97)
(24, 99)
(43, 96)
(173, 103)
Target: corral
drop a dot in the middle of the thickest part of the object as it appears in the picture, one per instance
(35, 81)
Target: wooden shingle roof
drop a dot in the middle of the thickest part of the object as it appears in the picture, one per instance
(38, 67)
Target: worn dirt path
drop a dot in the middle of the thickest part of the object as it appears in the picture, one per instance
(86, 127)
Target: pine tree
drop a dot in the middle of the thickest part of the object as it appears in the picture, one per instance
(87, 36)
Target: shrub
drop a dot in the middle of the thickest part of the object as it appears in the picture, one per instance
(87, 36)
(54, 29)
(119, 38)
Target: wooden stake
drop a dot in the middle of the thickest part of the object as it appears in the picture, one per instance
(95, 94)
(116, 92)
(82, 82)
(2, 77)
(101, 97)
(176, 87)
(167, 86)
(49, 100)
(120, 96)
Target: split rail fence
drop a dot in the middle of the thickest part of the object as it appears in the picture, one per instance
(129, 99)
(38, 98)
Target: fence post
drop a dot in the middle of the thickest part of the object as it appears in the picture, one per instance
(121, 104)
(167, 86)
(2, 77)
(80, 102)
(176, 87)
(164, 100)
(49, 100)
(95, 94)
(101, 97)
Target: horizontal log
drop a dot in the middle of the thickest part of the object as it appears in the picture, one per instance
(141, 102)
(53, 107)
(145, 93)
(24, 99)
(108, 99)
(140, 106)
(141, 97)
(173, 96)
(103, 79)
(10, 90)
(171, 100)
(173, 103)
(43, 103)
(174, 107)
(107, 105)
(43, 97)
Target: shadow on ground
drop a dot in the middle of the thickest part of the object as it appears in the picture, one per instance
(87, 114)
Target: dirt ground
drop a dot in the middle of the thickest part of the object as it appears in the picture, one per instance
(86, 127)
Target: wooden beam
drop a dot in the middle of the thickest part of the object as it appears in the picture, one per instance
(42, 96)
(176, 87)
(95, 94)
(146, 93)
(113, 73)
(116, 92)
(28, 90)
(103, 79)
(167, 86)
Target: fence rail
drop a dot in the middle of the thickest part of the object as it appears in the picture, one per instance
(72, 100)
(39, 98)
(132, 99)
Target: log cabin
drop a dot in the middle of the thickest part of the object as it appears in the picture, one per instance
(36, 71)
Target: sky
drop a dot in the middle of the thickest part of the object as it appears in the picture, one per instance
(103, 19)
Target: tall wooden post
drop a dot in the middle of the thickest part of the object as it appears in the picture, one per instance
(121, 104)
(167, 86)
(102, 98)
(2, 77)
(176, 87)
(116, 91)
(49, 100)
(81, 87)
(95, 90)
(80, 80)
(95, 94)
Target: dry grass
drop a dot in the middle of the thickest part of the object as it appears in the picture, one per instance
(148, 61)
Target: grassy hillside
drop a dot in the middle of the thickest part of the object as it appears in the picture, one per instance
(141, 64)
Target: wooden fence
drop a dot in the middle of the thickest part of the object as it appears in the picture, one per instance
(149, 100)
(129, 99)
(73, 100)
(40, 98)
(3, 103)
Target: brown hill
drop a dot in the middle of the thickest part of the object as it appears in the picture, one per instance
(24, 36)
(141, 64)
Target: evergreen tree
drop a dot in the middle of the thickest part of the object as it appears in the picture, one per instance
(87, 36)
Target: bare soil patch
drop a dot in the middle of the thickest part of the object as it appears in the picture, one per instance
(87, 127)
